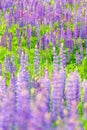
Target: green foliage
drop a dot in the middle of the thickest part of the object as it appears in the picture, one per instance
(44, 29)
(70, 67)
(82, 69)
(3, 53)
(13, 29)
(84, 122)
(33, 40)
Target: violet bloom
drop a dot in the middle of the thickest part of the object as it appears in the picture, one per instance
(29, 34)
(68, 55)
(76, 31)
(72, 90)
(85, 99)
(82, 34)
(3, 40)
(7, 64)
(68, 33)
(62, 57)
(36, 63)
(78, 58)
(43, 41)
(62, 33)
(11, 103)
(23, 96)
(58, 84)
(10, 42)
(8, 4)
(45, 82)
(40, 118)
(54, 40)
(69, 43)
(72, 122)
(55, 60)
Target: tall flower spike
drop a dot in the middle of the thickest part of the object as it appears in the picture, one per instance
(72, 90)
(38, 31)
(78, 58)
(36, 63)
(58, 83)
(29, 34)
(72, 123)
(2, 87)
(10, 42)
(11, 104)
(85, 99)
(23, 98)
(40, 110)
(62, 57)
(45, 82)
(55, 60)
(7, 64)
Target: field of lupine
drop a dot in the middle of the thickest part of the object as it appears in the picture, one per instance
(43, 65)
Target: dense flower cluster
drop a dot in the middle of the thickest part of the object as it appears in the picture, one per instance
(56, 101)
(53, 100)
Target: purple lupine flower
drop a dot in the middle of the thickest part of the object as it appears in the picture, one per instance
(55, 102)
(76, 30)
(23, 96)
(11, 104)
(12, 65)
(3, 99)
(29, 34)
(7, 64)
(8, 4)
(72, 122)
(17, 32)
(19, 40)
(68, 15)
(2, 87)
(72, 90)
(47, 42)
(38, 30)
(10, 42)
(45, 82)
(82, 32)
(21, 23)
(85, 99)
(22, 105)
(58, 83)
(68, 55)
(55, 60)
(54, 40)
(68, 33)
(3, 40)
(78, 58)
(24, 64)
(40, 110)
(43, 41)
(61, 33)
(62, 57)
(69, 43)
(19, 53)
(36, 63)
